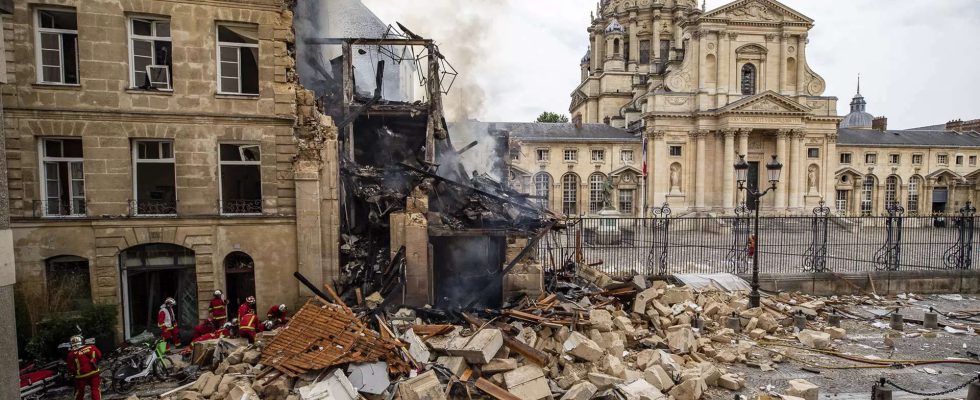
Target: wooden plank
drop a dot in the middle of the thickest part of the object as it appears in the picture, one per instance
(493, 390)
(531, 354)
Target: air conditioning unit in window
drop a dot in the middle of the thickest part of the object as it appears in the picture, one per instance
(159, 76)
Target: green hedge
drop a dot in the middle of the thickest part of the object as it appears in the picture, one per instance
(95, 321)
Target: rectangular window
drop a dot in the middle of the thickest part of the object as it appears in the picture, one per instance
(973, 161)
(675, 151)
(813, 152)
(571, 155)
(238, 59)
(150, 53)
(959, 160)
(917, 159)
(56, 44)
(664, 54)
(626, 201)
(543, 155)
(241, 179)
(871, 158)
(845, 158)
(942, 159)
(515, 155)
(842, 202)
(63, 188)
(644, 52)
(626, 156)
(154, 187)
(894, 159)
(598, 156)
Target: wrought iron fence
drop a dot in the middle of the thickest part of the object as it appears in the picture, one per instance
(59, 208)
(240, 206)
(152, 207)
(820, 242)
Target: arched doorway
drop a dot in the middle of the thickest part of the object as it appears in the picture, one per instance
(150, 273)
(239, 280)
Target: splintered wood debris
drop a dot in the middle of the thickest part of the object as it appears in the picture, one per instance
(323, 335)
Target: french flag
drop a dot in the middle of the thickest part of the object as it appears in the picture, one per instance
(644, 157)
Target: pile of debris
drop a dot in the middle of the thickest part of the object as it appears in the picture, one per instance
(591, 337)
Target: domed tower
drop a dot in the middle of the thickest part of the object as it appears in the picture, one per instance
(615, 47)
(586, 61)
(858, 117)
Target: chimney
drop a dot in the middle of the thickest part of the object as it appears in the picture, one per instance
(954, 125)
(577, 120)
(880, 124)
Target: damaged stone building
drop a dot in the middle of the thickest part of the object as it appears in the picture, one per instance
(163, 149)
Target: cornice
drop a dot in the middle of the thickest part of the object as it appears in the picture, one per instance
(144, 117)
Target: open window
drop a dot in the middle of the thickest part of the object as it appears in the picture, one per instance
(241, 179)
(63, 180)
(150, 51)
(154, 178)
(67, 281)
(238, 56)
(56, 41)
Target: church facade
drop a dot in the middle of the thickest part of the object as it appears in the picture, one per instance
(700, 88)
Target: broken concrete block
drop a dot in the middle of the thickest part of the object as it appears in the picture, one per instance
(441, 343)
(416, 347)
(581, 391)
(601, 319)
(645, 357)
(455, 364)
(577, 345)
(624, 324)
(499, 365)
(726, 356)
(334, 387)
(641, 300)
(210, 386)
(242, 391)
(767, 323)
(815, 339)
(731, 382)
(757, 333)
(423, 387)
(688, 390)
(371, 378)
(676, 295)
(658, 377)
(640, 390)
(603, 381)
(803, 388)
(251, 357)
(479, 348)
(835, 333)
(653, 341)
(528, 383)
(613, 366)
(680, 338)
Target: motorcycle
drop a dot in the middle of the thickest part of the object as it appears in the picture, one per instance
(137, 363)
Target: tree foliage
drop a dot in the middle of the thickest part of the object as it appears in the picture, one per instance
(551, 117)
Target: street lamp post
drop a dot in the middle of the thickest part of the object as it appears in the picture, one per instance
(773, 169)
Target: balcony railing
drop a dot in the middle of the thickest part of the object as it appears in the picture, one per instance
(59, 208)
(240, 206)
(152, 207)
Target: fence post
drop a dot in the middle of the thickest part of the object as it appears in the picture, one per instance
(960, 254)
(738, 252)
(815, 257)
(888, 257)
(661, 221)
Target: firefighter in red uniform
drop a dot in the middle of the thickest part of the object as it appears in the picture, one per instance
(248, 326)
(167, 321)
(217, 309)
(278, 314)
(225, 331)
(205, 327)
(83, 364)
(248, 305)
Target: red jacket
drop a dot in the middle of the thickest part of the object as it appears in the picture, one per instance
(203, 328)
(218, 334)
(166, 319)
(82, 363)
(249, 323)
(275, 314)
(217, 309)
(242, 310)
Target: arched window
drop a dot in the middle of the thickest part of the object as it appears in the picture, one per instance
(67, 280)
(867, 191)
(569, 195)
(597, 183)
(913, 205)
(748, 79)
(616, 46)
(891, 191)
(542, 188)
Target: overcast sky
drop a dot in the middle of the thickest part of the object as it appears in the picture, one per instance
(918, 59)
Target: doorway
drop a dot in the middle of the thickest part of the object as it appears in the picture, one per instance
(150, 273)
(465, 267)
(239, 280)
(940, 196)
(752, 182)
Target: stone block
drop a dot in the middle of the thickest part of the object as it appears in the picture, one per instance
(580, 391)
(731, 382)
(691, 389)
(601, 320)
(815, 339)
(528, 383)
(835, 333)
(676, 295)
(579, 346)
(416, 347)
(641, 390)
(479, 348)
(499, 365)
(603, 381)
(658, 377)
(680, 338)
(455, 364)
(803, 388)
(423, 387)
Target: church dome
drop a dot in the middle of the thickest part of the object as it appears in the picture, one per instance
(615, 27)
(587, 57)
(858, 118)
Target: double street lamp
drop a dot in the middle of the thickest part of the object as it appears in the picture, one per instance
(773, 168)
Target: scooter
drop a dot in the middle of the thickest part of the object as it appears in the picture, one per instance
(140, 363)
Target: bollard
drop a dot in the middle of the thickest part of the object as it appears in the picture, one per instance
(698, 322)
(734, 323)
(897, 323)
(931, 319)
(799, 321)
(834, 320)
(974, 392)
(882, 393)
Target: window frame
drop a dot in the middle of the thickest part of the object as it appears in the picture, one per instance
(959, 160)
(917, 156)
(600, 152)
(849, 156)
(867, 196)
(942, 159)
(597, 188)
(894, 159)
(217, 48)
(623, 158)
(840, 202)
(912, 199)
(131, 37)
(680, 150)
(813, 153)
(537, 182)
(971, 161)
(43, 158)
(569, 196)
(137, 160)
(546, 152)
(873, 157)
(632, 201)
(221, 192)
(573, 152)
(38, 58)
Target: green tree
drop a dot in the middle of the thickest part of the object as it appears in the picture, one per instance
(551, 117)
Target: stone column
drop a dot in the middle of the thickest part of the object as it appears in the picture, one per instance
(700, 169)
(410, 228)
(856, 195)
(743, 149)
(801, 63)
(830, 168)
(9, 381)
(655, 45)
(797, 174)
(783, 156)
(657, 168)
(721, 86)
(309, 250)
(783, 53)
(634, 54)
(728, 174)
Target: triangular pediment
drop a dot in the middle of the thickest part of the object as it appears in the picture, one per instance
(847, 170)
(765, 102)
(945, 172)
(757, 11)
(519, 171)
(625, 169)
